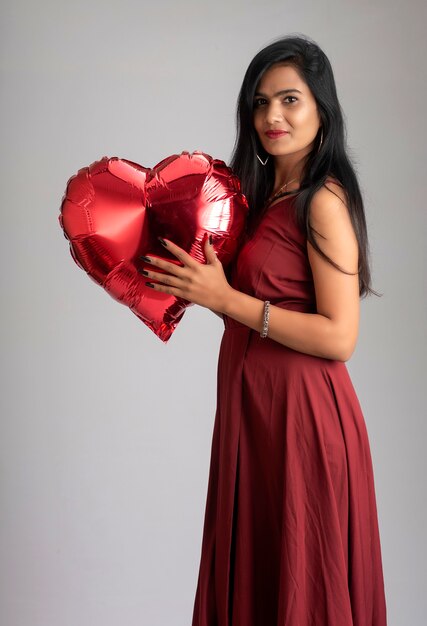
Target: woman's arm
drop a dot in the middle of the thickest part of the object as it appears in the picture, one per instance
(331, 332)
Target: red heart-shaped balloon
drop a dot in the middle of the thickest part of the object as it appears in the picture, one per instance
(113, 211)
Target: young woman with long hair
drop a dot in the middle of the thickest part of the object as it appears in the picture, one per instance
(291, 533)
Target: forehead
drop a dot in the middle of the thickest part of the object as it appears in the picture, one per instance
(281, 76)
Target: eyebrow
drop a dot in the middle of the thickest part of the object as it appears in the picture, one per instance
(279, 93)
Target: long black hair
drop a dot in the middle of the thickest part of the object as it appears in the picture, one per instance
(328, 157)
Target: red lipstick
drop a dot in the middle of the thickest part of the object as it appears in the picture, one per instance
(274, 134)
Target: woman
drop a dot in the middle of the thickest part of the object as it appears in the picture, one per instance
(290, 532)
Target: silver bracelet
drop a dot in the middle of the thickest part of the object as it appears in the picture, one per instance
(264, 331)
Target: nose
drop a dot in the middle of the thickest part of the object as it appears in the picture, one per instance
(273, 113)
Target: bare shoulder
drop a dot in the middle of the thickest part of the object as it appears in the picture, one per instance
(328, 202)
(333, 229)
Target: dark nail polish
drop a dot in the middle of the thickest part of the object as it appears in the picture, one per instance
(210, 239)
(144, 272)
(145, 258)
(162, 241)
(149, 284)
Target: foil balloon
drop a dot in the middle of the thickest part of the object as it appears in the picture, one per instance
(114, 210)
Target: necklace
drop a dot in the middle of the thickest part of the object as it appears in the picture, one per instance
(277, 194)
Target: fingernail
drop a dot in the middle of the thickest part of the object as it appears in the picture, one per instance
(149, 284)
(162, 241)
(210, 239)
(145, 258)
(143, 272)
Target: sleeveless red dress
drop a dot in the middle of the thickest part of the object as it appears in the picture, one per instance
(291, 533)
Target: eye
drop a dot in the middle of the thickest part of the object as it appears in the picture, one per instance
(260, 101)
(257, 102)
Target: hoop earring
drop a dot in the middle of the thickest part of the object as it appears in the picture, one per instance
(261, 161)
(321, 139)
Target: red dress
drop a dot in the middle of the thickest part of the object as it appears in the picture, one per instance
(290, 532)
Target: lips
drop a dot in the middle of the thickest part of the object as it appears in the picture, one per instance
(276, 133)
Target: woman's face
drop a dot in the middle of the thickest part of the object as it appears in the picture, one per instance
(284, 102)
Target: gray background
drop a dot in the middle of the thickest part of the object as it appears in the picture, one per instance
(105, 431)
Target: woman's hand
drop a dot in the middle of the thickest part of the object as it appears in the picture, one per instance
(204, 284)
